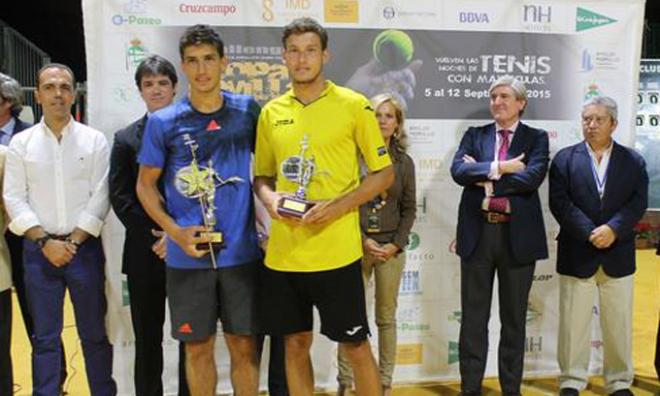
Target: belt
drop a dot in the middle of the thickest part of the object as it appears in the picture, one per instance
(496, 217)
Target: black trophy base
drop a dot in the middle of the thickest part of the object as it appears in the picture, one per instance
(216, 240)
(294, 207)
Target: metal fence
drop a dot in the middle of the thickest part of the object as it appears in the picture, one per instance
(21, 59)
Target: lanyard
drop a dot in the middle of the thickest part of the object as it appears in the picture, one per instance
(600, 184)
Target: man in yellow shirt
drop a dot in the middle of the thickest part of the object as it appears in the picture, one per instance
(308, 142)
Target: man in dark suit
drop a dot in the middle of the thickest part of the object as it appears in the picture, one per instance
(598, 192)
(144, 246)
(11, 104)
(500, 230)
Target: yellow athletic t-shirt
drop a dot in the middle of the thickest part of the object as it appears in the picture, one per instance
(337, 127)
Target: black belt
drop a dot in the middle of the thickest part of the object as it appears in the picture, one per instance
(496, 217)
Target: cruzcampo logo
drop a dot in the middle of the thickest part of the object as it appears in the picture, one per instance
(125, 299)
(452, 352)
(588, 20)
(413, 241)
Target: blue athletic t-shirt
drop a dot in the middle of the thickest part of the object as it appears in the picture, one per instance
(222, 142)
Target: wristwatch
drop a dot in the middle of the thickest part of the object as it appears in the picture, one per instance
(41, 241)
(73, 242)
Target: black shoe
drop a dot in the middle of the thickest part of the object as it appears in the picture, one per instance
(568, 392)
(622, 392)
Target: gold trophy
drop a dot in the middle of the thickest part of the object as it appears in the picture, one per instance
(199, 182)
(299, 170)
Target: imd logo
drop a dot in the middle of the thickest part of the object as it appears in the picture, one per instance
(587, 19)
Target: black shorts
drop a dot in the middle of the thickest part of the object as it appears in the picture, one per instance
(198, 297)
(287, 300)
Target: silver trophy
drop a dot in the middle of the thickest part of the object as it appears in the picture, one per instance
(299, 170)
(200, 182)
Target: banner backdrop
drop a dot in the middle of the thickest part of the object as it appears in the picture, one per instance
(438, 57)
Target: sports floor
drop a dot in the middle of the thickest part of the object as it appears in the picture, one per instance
(647, 306)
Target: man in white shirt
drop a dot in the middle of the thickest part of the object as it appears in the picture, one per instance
(56, 193)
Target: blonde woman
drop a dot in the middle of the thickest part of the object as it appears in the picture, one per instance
(386, 222)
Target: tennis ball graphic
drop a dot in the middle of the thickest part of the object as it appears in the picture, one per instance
(393, 49)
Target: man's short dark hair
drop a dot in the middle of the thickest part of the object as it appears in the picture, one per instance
(305, 25)
(155, 65)
(201, 34)
(11, 91)
(57, 66)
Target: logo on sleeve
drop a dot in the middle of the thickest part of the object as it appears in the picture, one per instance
(381, 151)
(369, 108)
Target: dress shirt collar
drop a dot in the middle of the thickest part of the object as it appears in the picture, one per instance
(68, 128)
(7, 130)
(511, 130)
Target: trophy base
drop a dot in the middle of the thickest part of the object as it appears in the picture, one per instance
(216, 240)
(294, 207)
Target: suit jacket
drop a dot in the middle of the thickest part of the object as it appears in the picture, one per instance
(15, 242)
(575, 203)
(137, 255)
(527, 232)
(5, 263)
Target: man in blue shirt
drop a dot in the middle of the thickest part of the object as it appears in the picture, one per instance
(202, 146)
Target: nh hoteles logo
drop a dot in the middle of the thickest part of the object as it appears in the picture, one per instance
(587, 19)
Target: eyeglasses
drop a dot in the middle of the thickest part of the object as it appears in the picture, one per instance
(598, 120)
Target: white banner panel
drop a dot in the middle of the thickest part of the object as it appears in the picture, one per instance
(564, 50)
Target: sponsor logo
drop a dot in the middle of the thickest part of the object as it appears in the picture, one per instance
(587, 19)
(591, 91)
(413, 241)
(409, 354)
(404, 9)
(533, 344)
(125, 296)
(185, 328)
(213, 126)
(135, 53)
(135, 7)
(473, 17)
(410, 283)
(288, 121)
(537, 13)
(224, 9)
(289, 9)
(353, 331)
(134, 20)
(596, 344)
(586, 63)
(537, 18)
(532, 314)
(133, 14)
(410, 320)
(421, 207)
(452, 352)
(343, 11)
(599, 60)
(542, 277)
(455, 316)
(267, 13)
(381, 151)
